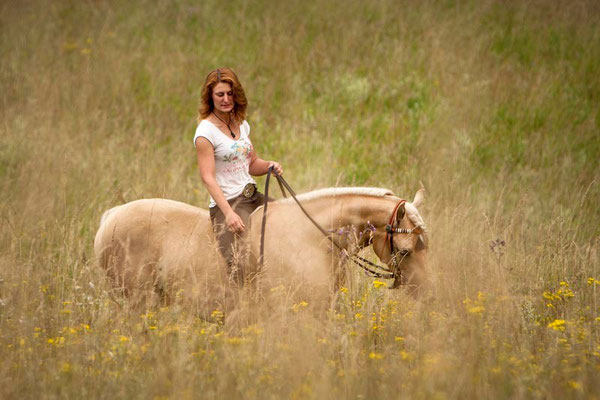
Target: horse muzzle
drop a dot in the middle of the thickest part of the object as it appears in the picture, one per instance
(396, 266)
(397, 278)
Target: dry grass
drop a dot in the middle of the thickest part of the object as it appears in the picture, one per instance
(493, 105)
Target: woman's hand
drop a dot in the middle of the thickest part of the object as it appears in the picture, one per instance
(276, 167)
(234, 222)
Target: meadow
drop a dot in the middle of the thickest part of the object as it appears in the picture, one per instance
(493, 105)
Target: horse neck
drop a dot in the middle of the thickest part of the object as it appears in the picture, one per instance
(357, 211)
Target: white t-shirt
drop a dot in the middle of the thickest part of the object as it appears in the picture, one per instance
(232, 158)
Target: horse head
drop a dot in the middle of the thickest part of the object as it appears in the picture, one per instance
(402, 242)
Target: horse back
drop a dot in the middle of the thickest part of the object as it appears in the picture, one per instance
(151, 243)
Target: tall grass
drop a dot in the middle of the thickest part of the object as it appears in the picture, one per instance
(494, 106)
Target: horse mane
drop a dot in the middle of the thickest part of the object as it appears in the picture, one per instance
(340, 191)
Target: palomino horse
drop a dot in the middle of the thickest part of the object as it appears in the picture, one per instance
(160, 247)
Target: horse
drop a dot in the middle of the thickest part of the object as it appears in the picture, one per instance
(160, 249)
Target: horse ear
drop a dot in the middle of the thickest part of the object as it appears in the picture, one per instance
(421, 244)
(419, 196)
(400, 213)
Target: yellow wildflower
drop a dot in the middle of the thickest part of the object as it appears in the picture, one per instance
(550, 296)
(557, 325)
(375, 356)
(279, 288)
(253, 329)
(476, 310)
(300, 305)
(234, 340)
(377, 284)
(66, 367)
(405, 355)
(217, 315)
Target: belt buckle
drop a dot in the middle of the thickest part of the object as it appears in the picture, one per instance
(249, 190)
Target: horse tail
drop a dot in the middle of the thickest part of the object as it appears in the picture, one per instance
(99, 246)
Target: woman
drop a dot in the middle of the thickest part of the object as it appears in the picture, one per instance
(226, 159)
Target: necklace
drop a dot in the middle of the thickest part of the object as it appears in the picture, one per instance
(228, 127)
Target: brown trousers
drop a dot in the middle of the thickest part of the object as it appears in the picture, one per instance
(229, 242)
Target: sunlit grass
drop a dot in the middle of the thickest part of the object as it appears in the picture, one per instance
(493, 106)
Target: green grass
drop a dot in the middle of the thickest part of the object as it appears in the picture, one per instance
(494, 106)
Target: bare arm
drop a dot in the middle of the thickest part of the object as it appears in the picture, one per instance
(206, 164)
(259, 167)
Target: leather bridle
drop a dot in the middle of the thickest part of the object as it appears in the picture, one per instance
(384, 272)
(390, 230)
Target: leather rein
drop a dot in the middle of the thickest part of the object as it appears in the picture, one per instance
(378, 271)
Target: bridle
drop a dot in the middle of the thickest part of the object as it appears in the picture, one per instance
(390, 230)
(381, 271)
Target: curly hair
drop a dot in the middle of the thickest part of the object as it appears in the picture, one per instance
(239, 97)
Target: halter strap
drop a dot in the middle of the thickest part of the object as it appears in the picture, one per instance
(393, 216)
(390, 232)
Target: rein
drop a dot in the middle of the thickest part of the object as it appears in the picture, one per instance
(385, 272)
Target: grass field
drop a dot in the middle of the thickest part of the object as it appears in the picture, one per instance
(493, 105)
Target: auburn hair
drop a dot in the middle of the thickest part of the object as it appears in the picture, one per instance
(239, 97)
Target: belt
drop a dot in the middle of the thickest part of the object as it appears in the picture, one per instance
(249, 190)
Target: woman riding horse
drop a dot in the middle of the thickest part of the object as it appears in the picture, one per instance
(226, 160)
(163, 250)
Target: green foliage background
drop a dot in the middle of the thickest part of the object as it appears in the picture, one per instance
(494, 106)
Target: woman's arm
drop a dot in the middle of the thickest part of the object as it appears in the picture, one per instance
(206, 164)
(259, 167)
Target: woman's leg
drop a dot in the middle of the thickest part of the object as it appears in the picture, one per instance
(225, 238)
(231, 244)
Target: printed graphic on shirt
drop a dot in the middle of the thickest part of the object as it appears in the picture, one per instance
(238, 156)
